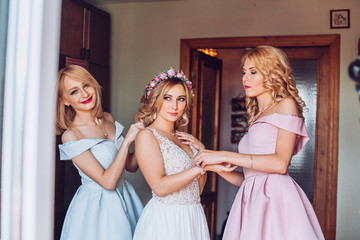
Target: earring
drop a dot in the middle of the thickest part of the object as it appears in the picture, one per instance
(154, 116)
(68, 105)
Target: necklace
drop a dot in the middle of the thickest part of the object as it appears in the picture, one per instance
(105, 133)
(171, 131)
(97, 121)
(262, 111)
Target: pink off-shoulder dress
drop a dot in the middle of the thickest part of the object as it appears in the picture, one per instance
(271, 206)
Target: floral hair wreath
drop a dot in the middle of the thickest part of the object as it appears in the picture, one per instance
(166, 75)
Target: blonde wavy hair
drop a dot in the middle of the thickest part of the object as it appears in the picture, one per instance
(152, 104)
(66, 114)
(273, 65)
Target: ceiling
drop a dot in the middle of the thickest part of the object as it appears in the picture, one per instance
(95, 2)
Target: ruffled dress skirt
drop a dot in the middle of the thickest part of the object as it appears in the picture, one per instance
(160, 221)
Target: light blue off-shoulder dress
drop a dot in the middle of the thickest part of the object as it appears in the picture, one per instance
(94, 212)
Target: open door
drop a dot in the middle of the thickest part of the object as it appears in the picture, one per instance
(206, 78)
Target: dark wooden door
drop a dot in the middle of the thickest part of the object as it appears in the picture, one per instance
(72, 29)
(206, 77)
(102, 75)
(85, 32)
(99, 38)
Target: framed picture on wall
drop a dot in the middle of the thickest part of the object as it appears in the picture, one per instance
(238, 104)
(237, 134)
(340, 18)
(239, 120)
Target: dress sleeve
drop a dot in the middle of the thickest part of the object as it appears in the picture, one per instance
(289, 123)
(118, 136)
(72, 149)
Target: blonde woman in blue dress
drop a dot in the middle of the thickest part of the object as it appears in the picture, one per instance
(105, 206)
(165, 158)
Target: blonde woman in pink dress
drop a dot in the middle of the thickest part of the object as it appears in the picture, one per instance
(269, 203)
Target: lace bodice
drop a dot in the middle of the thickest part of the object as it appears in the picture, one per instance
(177, 160)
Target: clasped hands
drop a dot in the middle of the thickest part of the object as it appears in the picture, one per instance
(206, 159)
(213, 161)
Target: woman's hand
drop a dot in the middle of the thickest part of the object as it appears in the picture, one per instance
(134, 129)
(220, 168)
(190, 140)
(208, 157)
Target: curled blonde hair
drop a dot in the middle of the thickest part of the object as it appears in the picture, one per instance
(152, 104)
(65, 115)
(273, 65)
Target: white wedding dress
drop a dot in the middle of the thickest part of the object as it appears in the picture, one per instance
(177, 216)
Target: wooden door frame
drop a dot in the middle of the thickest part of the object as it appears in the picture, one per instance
(325, 174)
(200, 61)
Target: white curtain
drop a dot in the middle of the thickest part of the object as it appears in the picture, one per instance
(27, 184)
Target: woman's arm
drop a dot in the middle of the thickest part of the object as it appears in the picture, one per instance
(275, 163)
(227, 172)
(108, 178)
(190, 140)
(202, 182)
(235, 178)
(131, 162)
(150, 160)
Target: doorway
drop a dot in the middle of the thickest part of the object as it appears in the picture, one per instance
(325, 50)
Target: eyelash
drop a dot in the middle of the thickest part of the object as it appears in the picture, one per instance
(75, 91)
(253, 72)
(182, 99)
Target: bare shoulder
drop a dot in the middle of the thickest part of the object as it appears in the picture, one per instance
(145, 134)
(146, 138)
(287, 106)
(109, 117)
(69, 135)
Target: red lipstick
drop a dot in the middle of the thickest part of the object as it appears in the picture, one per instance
(87, 101)
(246, 87)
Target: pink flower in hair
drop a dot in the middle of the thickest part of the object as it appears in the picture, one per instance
(171, 72)
(156, 79)
(190, 86)
(152, 84)
(162, 76)
(179, 75)
(148, 93)
(188, 82)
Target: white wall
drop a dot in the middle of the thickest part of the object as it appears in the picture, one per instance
(146, 39)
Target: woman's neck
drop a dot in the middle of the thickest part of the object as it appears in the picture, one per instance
(83, 117)
(264, 100)
(163, 125)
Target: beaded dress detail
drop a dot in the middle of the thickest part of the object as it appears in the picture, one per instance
(179, 215)
(177, 160)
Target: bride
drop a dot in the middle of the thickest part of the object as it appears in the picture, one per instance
(165, 159)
